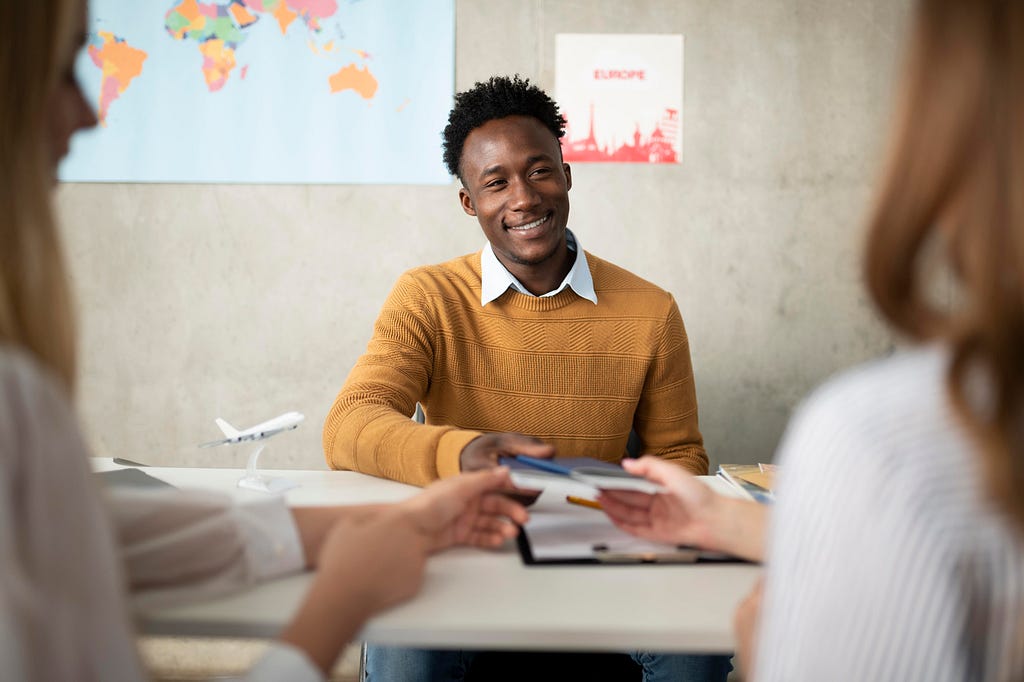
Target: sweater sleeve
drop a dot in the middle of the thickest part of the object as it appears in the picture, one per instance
(369, 428)
(666, 416)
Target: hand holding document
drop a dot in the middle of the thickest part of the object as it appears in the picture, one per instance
(469, 509)
(566, 528)
(492, 449)
(688, 513)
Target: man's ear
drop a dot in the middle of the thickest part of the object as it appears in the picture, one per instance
(568, 176)
(467, 202)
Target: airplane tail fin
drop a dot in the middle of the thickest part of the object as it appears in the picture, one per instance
(229, 430)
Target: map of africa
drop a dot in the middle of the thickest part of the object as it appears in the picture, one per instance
(268, 91)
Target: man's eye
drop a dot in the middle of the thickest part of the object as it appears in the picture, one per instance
(541, 171)
(494, 183)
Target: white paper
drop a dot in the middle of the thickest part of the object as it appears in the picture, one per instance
(558, 529)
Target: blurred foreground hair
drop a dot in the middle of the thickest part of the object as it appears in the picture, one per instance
(35, 301)
(954, 187)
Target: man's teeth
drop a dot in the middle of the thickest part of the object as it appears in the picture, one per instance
(529, 226)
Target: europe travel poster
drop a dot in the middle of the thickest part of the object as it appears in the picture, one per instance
(622, 97)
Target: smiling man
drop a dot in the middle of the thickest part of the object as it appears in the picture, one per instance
(529, 346)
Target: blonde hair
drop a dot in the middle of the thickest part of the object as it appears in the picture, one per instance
(955, 180)
(35, 300)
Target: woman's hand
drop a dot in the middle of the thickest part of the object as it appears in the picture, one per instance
(679, 516)
(366, 563)
(469, 509)
(688, 513)
(380, 559)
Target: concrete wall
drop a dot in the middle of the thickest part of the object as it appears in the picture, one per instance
(245, 301)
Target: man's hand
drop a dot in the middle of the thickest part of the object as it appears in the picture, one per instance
(468, 509)
(483, 451)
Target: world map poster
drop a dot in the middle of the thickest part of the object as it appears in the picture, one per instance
(266, 91)
(622, 96)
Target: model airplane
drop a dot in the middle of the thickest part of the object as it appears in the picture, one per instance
(252, 478)
(284, 422)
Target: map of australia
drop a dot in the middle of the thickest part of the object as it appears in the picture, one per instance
(260, 61)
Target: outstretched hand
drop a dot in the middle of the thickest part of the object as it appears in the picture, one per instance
(679, 516)
(378, 559)
(483, 451)
(367, 562)
(689, 513)
(372, 557)
(469, 509)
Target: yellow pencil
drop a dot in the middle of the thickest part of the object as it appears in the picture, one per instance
(582, 501)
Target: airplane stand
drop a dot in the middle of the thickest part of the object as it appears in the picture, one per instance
(253, 480)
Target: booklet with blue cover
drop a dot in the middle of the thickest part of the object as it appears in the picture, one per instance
(534, 472)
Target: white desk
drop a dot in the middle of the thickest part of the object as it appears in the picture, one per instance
(484, 600)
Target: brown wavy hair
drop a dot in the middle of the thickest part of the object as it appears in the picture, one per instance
(954, 187)
(35, 301)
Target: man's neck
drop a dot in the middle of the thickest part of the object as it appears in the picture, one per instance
(545, 277)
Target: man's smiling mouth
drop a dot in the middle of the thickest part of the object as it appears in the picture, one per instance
(531, 225)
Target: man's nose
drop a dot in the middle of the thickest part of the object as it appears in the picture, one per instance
(524, 195)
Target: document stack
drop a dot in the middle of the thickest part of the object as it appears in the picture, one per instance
(753, 481)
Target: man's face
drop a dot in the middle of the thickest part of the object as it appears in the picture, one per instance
(516, 185)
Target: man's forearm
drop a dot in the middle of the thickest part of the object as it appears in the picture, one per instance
(693, 458)
(378, 440)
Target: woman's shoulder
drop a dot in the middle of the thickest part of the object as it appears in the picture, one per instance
(886, 420)
(888, 393)
(23, 379)
(32, 402)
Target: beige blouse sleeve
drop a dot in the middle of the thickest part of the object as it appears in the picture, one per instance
(189, 545)
(63, 615)
(63, 611)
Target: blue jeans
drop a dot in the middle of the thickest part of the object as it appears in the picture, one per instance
(395, 664)
(682, 667)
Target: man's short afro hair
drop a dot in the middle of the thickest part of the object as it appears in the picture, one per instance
(498, 97)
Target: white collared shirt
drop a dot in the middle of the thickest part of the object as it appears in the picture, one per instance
(495, 278)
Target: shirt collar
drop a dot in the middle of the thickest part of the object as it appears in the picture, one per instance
(495, 279)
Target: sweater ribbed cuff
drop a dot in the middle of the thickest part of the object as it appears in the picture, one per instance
(448, 450)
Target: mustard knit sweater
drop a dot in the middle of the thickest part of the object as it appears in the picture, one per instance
(575, 374)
